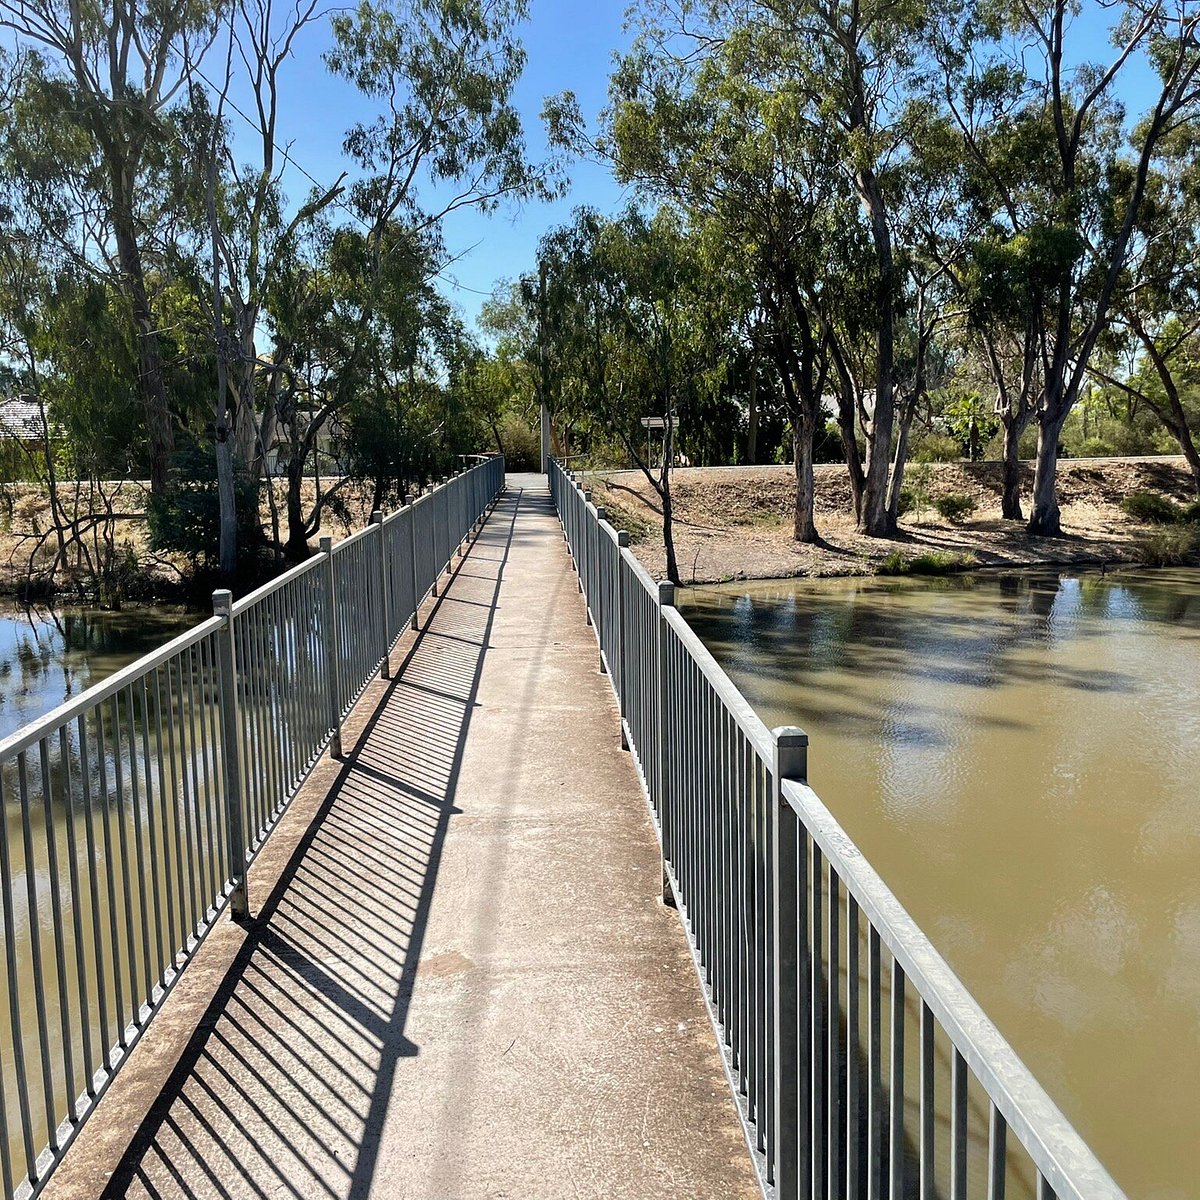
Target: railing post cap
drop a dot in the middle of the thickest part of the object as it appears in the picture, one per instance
(222, 601)
(376, 516)
(587, 495)
(601, 512)
(622, 537)
(666, 593)
(326, 543)
(789, 735)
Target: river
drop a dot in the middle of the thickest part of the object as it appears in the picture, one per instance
(1019, 756)
(49, 655)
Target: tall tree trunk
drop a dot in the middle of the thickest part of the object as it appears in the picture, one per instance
(1010, 502)
(160, 429)
(850, 451)
(752, 435)
(875, 520)
(226, 506)
(802, 447)
(1044, 519)
(296, 548)
(898, 464)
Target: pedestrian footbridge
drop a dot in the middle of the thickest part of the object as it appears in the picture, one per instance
(451, 865)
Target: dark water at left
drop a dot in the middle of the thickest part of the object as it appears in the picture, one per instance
(49, 655)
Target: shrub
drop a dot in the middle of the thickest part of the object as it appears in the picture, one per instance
(931, 562)
(522, 444)
(1170, 547)
(955, 507)
(920, 480)
(1151, 508)
(185, 520)
(1191, 513)
(936, 447)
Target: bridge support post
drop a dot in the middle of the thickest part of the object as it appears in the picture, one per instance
(385, 671)
(788, 1143)
(231, 746)
(622, 604)
(333, 676)
(666, 704)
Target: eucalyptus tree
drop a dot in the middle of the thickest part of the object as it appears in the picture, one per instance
(633, 333)
(1074, 209)
(712, 123)
(790, 122)
(87, 140)
(1155, 329)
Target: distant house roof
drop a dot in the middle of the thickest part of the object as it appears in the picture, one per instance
(20, 419)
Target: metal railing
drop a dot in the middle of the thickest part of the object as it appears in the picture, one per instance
(791, 930)
(129, 815)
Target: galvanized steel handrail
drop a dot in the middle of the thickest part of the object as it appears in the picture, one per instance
(139, 805)
(778, 903)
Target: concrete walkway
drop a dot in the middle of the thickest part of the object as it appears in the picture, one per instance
(460, 982)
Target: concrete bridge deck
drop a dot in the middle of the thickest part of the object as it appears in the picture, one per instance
(458, 981)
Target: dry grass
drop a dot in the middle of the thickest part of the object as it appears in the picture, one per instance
(736, 523)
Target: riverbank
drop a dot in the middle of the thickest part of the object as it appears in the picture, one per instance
(736, 522)
(141, 575)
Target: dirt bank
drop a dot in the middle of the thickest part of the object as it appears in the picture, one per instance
(736, 522)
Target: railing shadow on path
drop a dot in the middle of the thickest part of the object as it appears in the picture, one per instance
(283, 1088)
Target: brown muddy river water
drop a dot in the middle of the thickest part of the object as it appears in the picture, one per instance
(1019, 756)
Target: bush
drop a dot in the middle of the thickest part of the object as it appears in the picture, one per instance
(1170, 547)
(955, 507)
(932, 562)
(920, 481)
(1191, 514)
(1151, 508)
(936, 447)
(185, 520)
(522, 444)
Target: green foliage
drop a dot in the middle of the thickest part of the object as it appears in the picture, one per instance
(931, 562)
(935, 448)
(522, 444)
(971, 422)
(1151, 508)
(185, 520)
(956, 507)
(920, 482)
(1191, 513)
(1175, 547)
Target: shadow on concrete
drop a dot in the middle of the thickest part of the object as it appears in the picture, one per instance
(283, 1088)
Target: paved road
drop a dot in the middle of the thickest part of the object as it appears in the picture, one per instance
(460, 983)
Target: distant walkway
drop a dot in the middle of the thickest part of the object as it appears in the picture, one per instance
(461, 983)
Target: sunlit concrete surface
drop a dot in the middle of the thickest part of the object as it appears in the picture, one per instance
(459, 981)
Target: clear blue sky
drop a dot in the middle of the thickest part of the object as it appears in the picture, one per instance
(570, 45)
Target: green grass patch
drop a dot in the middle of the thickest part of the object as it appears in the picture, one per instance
(931, 562)
(1172, 547)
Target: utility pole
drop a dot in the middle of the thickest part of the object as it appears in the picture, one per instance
(543, 365)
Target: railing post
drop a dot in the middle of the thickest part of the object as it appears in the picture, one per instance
(598, 579)
(789, 1148)
(231, 746)
(622, 601)
(437, 571)
(412, 556)
(385, 670)
(666, 824)
(581, 553)
(333, 666)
